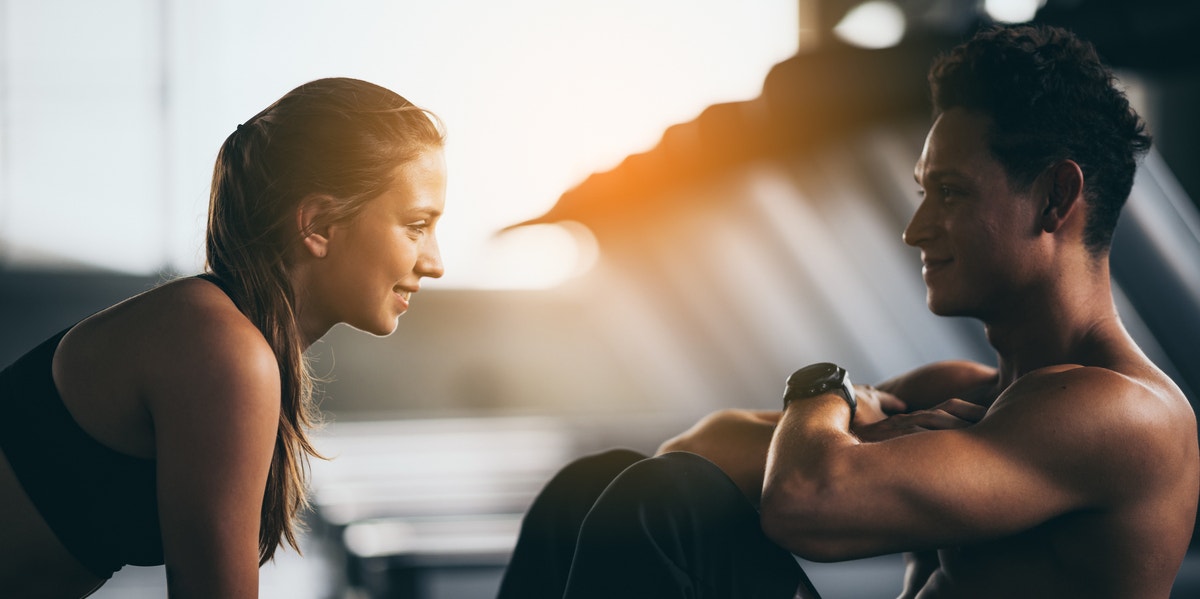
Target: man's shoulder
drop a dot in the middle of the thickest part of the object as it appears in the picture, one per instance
(1098, 423)
(1138, 396)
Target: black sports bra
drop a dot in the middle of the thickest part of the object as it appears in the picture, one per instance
(102, 504)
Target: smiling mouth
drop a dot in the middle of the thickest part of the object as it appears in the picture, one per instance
(932, 265)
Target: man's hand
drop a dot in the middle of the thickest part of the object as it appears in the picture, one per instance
(736, 441)
(950, 414)
(918, 567)
(875, 405)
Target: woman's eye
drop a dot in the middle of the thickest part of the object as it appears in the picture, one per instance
(418, 227)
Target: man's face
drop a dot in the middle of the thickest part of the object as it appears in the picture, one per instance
(976, 235)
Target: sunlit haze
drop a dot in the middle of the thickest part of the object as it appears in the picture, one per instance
(113, 111)
(874, 24)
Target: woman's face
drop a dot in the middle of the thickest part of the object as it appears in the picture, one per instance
(375, 262)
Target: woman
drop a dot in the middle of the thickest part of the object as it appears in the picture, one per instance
(171, 427)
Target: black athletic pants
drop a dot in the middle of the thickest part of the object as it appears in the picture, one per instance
(619, 525)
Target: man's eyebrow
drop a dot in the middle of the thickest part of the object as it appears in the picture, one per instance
(940, 174)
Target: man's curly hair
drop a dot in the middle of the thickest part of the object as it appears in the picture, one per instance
(1049, 99)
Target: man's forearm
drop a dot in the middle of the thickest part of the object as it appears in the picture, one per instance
(807, 430)
(800, 465)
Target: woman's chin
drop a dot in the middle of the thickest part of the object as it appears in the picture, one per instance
(379, 329)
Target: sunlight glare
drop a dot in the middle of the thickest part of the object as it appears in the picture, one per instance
(536, 95)
(875, 24)
(539, 256)
(1013, 11)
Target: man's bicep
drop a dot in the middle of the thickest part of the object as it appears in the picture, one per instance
(973, 484)
(1033, 457)
(930, 490)
(1056, 442)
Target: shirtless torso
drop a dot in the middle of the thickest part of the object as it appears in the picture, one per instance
(1130, 450)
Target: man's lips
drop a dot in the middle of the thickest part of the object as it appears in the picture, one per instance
(932, 264)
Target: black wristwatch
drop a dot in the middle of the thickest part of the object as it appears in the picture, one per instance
(816, 379)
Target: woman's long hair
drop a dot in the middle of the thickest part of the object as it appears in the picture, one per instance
(341, 138)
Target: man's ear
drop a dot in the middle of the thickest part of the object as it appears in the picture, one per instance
(1062, 194)
(312, 225)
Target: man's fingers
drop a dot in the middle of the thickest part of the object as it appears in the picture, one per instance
(935, 419)
(963, 409)
(891, 404)
(888, 403)
(884, 430)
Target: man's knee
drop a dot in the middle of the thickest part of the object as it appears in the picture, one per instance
(596, 469)
(579, 483)
(678, 469)
(673, 481)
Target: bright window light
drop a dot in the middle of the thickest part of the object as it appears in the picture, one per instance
(112, 112)
(875, 24)
(538, 256)
(1013, 11)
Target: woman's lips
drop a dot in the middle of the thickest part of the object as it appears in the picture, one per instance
(404, 297)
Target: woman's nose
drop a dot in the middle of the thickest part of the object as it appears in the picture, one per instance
(430, 262)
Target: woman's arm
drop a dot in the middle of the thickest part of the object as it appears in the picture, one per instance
(214, 397)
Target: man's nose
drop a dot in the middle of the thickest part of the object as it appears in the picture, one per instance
(920, 227)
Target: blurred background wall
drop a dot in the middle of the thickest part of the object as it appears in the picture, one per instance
(748, 237)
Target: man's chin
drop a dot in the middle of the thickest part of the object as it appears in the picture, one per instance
(941, 307)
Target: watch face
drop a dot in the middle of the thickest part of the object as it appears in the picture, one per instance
(815, 378)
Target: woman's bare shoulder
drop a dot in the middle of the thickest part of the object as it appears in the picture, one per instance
(177, 334)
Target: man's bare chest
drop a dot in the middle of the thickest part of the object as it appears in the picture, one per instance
(1052, 560)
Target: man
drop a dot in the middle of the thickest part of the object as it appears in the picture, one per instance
(1081, 478)
(1070, 470)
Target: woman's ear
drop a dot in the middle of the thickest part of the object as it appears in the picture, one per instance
(312, 224)
(1062, 195)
